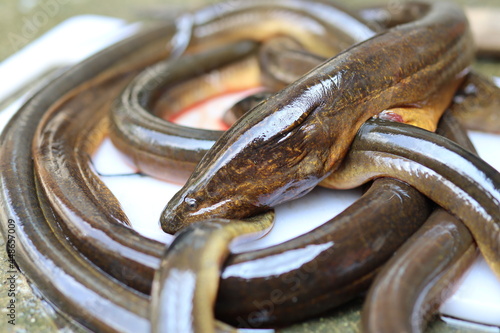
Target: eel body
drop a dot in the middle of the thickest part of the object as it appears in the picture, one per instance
(170, 152)
(424, 272)
(132, 260)
(283, 139)
(186, 283)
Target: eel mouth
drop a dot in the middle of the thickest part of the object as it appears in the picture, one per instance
(170, 221)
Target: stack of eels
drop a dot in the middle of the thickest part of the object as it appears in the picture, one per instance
(347, 99)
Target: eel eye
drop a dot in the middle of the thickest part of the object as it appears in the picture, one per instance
(191, 203)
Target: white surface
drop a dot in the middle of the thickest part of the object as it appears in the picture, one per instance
(143, 198)
(478, 296)
(60, 47)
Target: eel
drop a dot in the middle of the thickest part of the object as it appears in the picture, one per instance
(425, 270)
(185, 286)
(13, 176)
(62, 153)
(291, 129)
(57, 271)
(471, 194)
(169, 151)
(74, 169)
(420, 276)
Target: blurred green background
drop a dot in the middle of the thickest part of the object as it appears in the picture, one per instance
(22, 21)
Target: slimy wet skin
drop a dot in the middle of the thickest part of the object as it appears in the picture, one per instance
(426, 269)
(296, 138)
(471, 194)
(197, 255)
(42, 252)
(220, 58)
(48, 249)
(128, 257)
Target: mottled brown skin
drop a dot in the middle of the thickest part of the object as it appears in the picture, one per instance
(291, 129)
(169, 151)
(40, 249)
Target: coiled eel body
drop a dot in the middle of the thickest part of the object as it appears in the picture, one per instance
(110, 324)
(291, 129)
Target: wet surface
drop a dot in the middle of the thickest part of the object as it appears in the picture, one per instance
(25, 20)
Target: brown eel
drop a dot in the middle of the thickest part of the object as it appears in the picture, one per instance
(185, 286)
(291, 129)
(425, 270)
(40, 248)
(65, 278)
(18, 206)
(169, 151)
(142, 256)
(473, 195)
